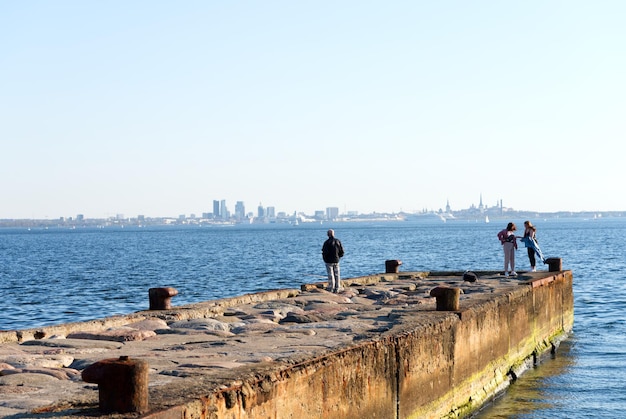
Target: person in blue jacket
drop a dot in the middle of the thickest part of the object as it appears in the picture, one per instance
(532, 247)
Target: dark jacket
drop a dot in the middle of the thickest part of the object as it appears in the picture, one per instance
(332, 250)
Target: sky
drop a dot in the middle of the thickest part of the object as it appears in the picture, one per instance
(158, 107)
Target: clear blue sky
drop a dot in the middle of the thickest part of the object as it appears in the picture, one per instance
(160, 107)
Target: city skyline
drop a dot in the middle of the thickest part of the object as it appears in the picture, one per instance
(260, 212)
(151, 107)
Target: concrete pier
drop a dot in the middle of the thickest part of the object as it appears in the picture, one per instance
(378, 349)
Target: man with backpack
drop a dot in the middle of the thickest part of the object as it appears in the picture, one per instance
(332, 251)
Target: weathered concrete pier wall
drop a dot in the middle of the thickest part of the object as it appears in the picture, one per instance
(381, 350)
(454, 366)
(435, 365)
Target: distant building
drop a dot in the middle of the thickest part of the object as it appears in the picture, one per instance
(240, 210)
(332, 213)
(224, 215)
(216, 209)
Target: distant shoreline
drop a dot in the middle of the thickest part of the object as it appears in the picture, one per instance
(465, 215)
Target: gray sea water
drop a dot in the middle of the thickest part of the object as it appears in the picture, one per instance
(61, 275)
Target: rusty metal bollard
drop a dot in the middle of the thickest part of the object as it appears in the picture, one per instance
(554, 264)
(392, 266)
(447, 298)
(161, 298)
(122, 384)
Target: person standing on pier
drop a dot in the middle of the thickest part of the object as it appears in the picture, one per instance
(332, 251)
(509, 244)
(530, 241)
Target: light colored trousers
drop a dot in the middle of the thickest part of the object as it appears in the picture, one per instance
(509, 256)
(334, 279)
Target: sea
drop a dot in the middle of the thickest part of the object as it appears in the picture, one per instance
(58, 275)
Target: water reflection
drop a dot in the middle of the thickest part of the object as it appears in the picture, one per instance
(532, 394)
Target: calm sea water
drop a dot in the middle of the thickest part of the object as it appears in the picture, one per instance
(56, 275)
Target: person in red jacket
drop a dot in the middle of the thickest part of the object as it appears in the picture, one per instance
(509, 244)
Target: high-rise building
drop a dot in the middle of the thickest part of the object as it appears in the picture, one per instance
(332, 213)
(224, 215)
(216, 208)
(240, 210)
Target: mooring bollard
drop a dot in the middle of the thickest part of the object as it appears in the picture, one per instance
(122, 384)
(392, 266)
(554, 264)
(447, 298)
(161, 298)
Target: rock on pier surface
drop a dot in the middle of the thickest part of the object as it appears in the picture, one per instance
(379, 348)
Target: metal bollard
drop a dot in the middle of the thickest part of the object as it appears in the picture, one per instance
(161, 298)
(554, 264)
(392, 266)
(122, 384)
(447, 298)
